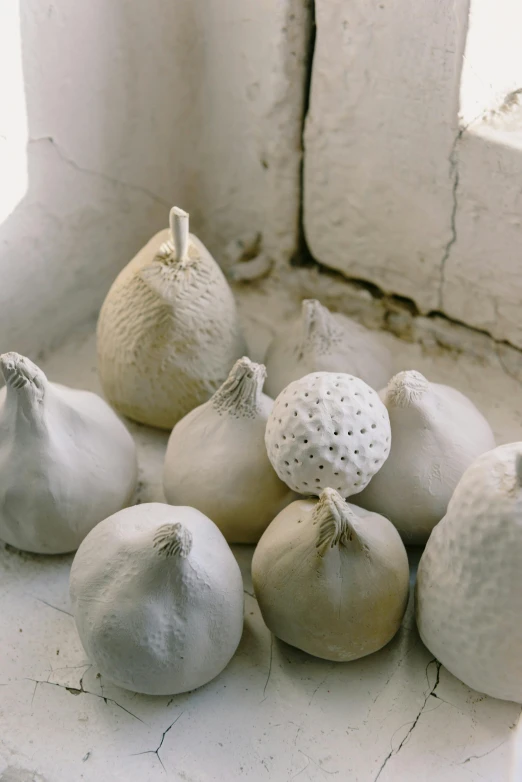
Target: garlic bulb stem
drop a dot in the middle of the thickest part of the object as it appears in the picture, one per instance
(335, 522)
(179, 228)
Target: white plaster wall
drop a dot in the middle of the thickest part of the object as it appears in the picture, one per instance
(404, 186)
(379, 138)
(116, 110)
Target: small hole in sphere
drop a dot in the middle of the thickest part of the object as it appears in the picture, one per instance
(363, 431)
(321, 467)
(287, 464)
(280, 421)
(336, 473)
(371, 404)
(371, 445)
(387, 439)
(317, 401)
(338, 488)
(284, 437)
(358, 472)
(296, 461)
(356, 393)
(305, 441)
(376, 461)
(295, 413)
(311, 456)
(374, 426)
(336, 433)
(331, 448)
(317, 480)
(309, 415)
(357, 483)
(342, 399)
(356, 451)
(288, 472)
(277, 446)
(327, 393)
(306, 393)
(305, 483)
(342, 458)
(286, 404)
(350, 433)
(337, 385)
(318, 428)
(358, 412)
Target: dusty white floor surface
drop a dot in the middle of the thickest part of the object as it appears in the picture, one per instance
(275, 713)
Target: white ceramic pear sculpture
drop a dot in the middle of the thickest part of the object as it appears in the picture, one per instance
(66, 460)
(323, 341)
(437, 432)
(168, 330)
(331, 578)
(216, 458)
(469, 582)
(157, 598)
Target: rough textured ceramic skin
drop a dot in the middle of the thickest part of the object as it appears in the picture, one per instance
(328, 430)
(66, 461)
(168, 332)
(322, 341)
(469, 583)
(331, 578)
(216, 458)
(158, 599)
(437, 432)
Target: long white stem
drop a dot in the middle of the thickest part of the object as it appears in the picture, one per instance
(179, 228)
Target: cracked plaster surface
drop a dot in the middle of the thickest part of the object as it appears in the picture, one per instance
(275, 712)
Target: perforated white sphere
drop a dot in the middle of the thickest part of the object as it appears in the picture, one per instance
(328, 430)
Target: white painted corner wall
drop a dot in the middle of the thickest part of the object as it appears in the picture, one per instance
(114, 111)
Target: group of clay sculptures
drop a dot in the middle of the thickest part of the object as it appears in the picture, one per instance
(331, 481)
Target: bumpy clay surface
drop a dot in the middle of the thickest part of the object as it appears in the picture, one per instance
(437, 432)
(469, 583)
(168, 330)
(66, 460)
(328, 430)
(331, 578)
(322, 341)
(216, 458)
(158, 599)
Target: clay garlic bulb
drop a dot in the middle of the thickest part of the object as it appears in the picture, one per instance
(323, 341)
(328, 430)
(437, 432)
(216, 458)
(66, 460)
(331, 578)
(157, 598)
(168, 330)
(469, 582)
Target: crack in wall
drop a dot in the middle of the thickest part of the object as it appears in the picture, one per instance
(98, 174)
(455, 177)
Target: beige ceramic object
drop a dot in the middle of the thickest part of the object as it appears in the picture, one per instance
(323, 341)
(66, 460)
(168, 330)
(331, 578)
(157, 598)
(328, 430)
(469, 582)
(437, 432)
(216, 458)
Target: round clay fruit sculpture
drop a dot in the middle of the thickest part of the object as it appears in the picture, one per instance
(66, 460)
(331, 578)
(469, 582)
(323, 341)
(216, 458)
(328, 430)
(168, 330)
(437, 432)
(158, 599)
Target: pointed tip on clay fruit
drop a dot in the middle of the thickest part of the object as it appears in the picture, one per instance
(335, 520)
(18, 370)
(314, 319)
(173, 540)
(179, 229)
(241, 391)
(405, 388)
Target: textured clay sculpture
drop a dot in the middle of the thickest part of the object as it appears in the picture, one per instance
(66, 461)
(158, 599)
(216, 458)
(437, 433)
(322, 341)
(328, 430)
(469, 583)
(168, 330)
(331, 578)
